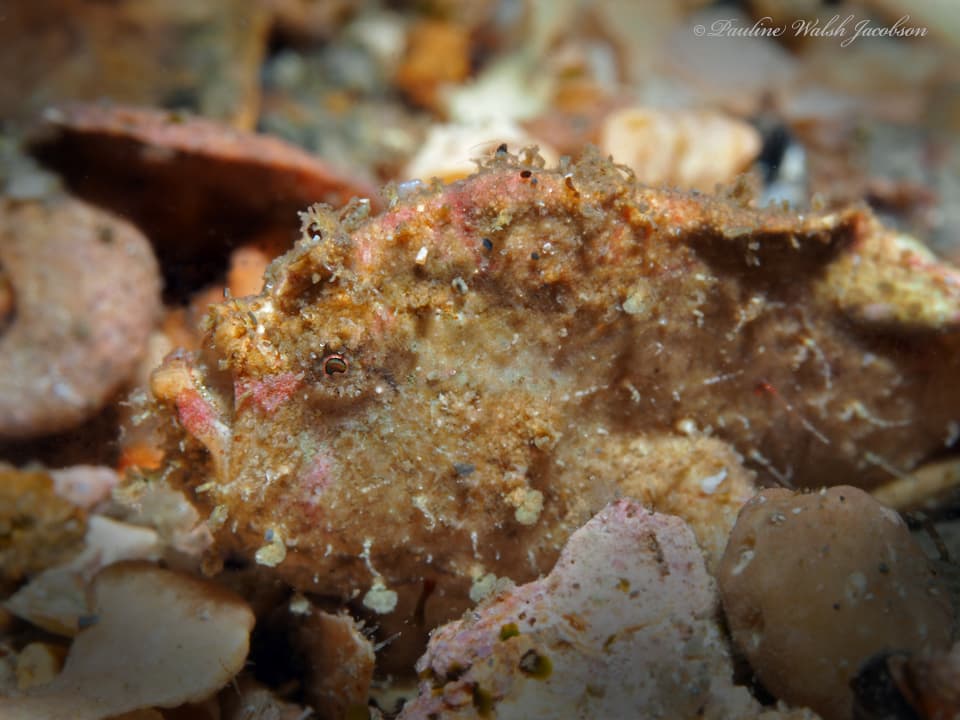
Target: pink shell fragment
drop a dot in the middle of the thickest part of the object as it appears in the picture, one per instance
(622, 627)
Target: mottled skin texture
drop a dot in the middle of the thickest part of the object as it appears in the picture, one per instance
(558, 335)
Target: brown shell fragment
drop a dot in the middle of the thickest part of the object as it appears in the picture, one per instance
(438, 54)
(86, 293)
(525, 345)
(193, 185)
(339, 661)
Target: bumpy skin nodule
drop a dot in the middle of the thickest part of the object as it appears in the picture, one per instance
(451, 388)
(85, 293)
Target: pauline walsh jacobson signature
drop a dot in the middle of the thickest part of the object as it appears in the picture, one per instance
(847, 29)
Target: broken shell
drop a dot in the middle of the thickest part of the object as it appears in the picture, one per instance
(172, 174)
(151, 502)
(606, 633)
(339, 660)
(159, 639)
(926, 487)
(84, 485)
(38, 663)
(86, 292)
(681, 148)
(449, 151)
(56, 599)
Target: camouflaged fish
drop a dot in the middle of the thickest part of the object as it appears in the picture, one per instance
(425, 400)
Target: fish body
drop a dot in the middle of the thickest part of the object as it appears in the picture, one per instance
(444, 392)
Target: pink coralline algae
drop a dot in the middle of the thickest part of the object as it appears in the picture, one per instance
(624, 626)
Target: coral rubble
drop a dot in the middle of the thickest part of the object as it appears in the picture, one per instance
(623, 626)
(37, 528)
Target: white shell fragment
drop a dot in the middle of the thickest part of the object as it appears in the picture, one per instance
(56, 599)
(922, 488)
(157, 505)
(448, 152)
(84, 485)
(685, 148)
(158, 639)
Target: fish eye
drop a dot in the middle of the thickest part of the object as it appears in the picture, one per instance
(334, 364)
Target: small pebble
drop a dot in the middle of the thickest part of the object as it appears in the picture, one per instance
(811, 595)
